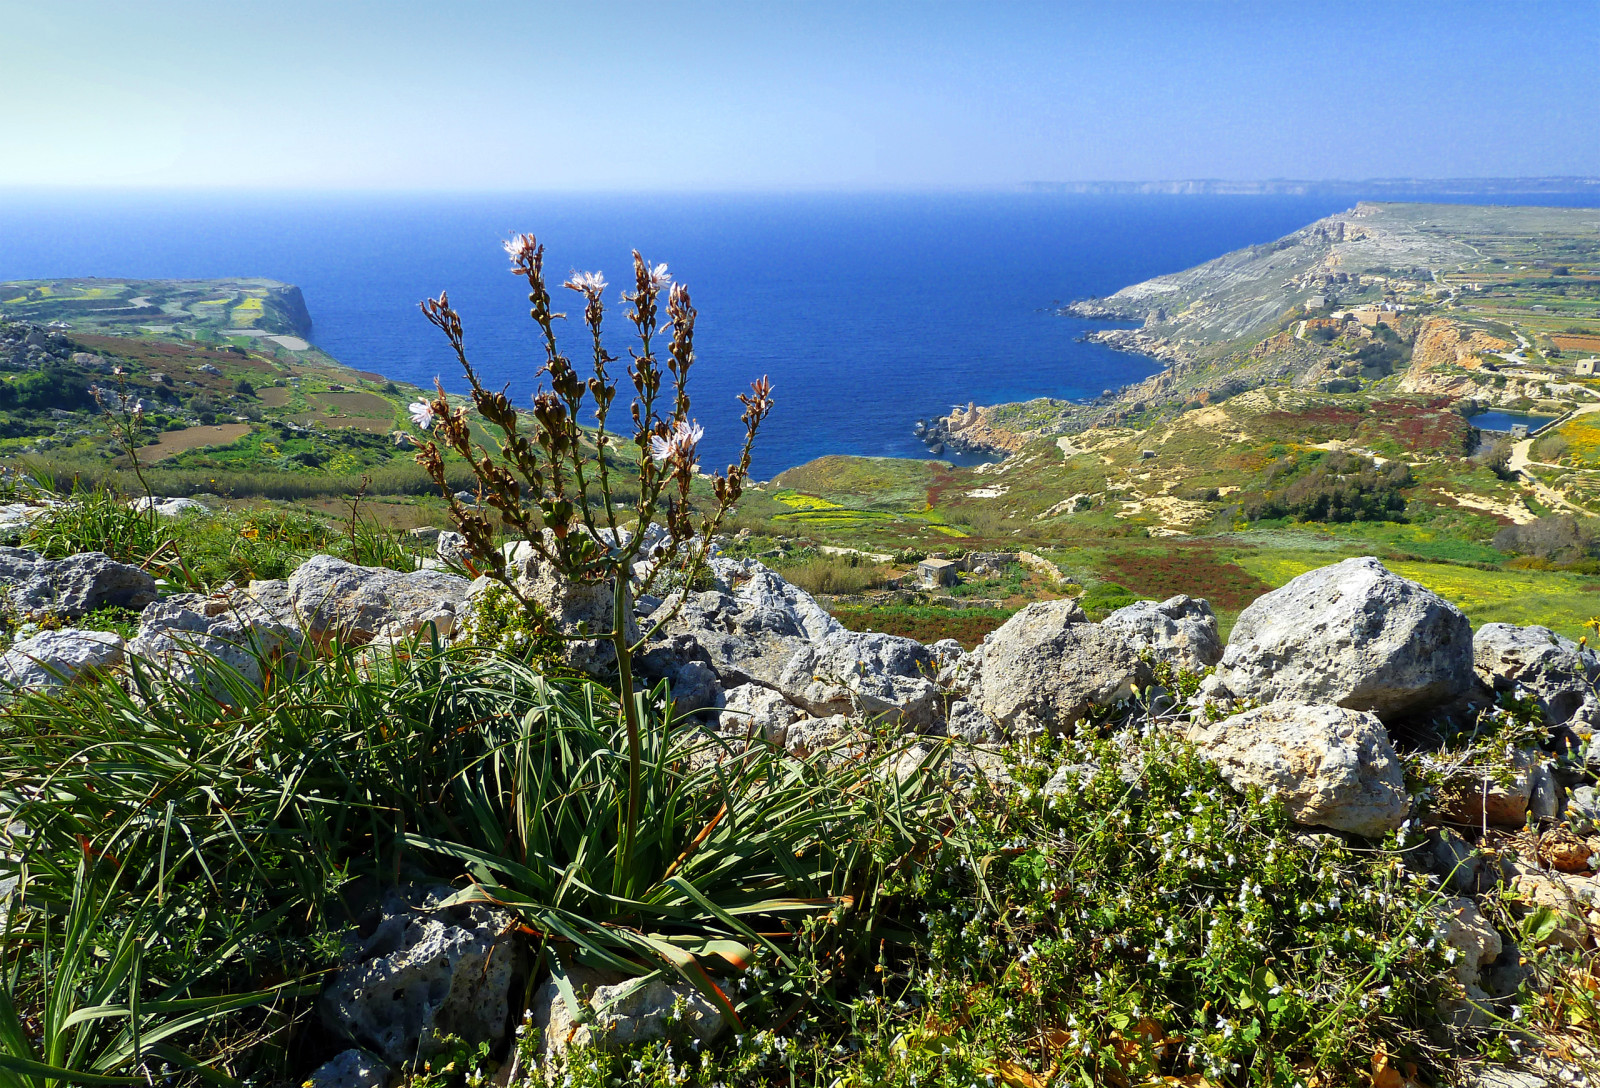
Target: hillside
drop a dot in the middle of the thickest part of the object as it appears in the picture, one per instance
(234, 398)
(1320, 400)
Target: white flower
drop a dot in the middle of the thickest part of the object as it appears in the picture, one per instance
(521, 248)
(659, 276)
(587, 282)
(421, 414)
(680, 443)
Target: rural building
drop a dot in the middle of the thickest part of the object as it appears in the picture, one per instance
(933, 573)
(1585, 367)
(1316, 302)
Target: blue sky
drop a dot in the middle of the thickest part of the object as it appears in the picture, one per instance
(475, 95)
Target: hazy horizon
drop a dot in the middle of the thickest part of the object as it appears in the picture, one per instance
(804, 97)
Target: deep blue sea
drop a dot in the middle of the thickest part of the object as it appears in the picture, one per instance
(868, 311)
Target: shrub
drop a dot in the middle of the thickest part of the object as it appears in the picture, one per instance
(1555, 538)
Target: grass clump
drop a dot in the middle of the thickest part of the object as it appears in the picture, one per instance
(827, 573)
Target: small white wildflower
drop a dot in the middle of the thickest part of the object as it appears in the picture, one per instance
(421, 414)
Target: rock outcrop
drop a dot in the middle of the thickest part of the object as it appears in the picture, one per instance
(863, 674)
(54, 659)
(73, 587)
(623, 1011)
(1332, 767)
(219, 641)
(356, 605)
(1556, 671)
(1353, 635)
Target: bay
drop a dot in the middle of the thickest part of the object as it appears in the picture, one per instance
(868, 311)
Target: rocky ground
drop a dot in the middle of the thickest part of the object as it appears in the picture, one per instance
(1334, 693)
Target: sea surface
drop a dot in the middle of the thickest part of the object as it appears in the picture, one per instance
(867, 311)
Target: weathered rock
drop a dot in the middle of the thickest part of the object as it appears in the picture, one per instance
(71, 587)
(1556, 671)
(963, 719)
(355, 604)
(1331, 766)
(1465, 868)
(575, 608)
(1352, 635)
(217, 641)
(1180, 630)
(753, 710)
(426, 972)
(748, 635)
(621, 1011)
(866, 674)
(54, 659)
(1566, 852)
(809, 736)
(272, 594)
(354, 1068)
(1476, 943)
(1047, 667)
(452, 548)
(1502, 803)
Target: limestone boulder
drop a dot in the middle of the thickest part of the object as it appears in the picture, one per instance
(1331, 766)
(1475, 943)
(1504, 800)
(356, 604)
(72, 587)
(218, 641)
(1353, 635)
(428, 970)
(1556, 671)
(1048, 666)
(353, 1068)
(1180, 630)
(170, 508)
(753, 710)
(52, 660)
(867, 674)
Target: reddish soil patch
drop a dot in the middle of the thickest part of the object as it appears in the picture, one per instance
(1575, 341)
(1186, 569)
(273, 396)
(943, 480)
(1312, 425)
(965, 629)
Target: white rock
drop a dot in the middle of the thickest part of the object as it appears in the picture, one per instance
(1352, 635)
(354, 1068)
(1181, 630)
(356, 604)
(54, 659)
(622, 1011)
(169, 508)
(1331, 766)
(1047, 667)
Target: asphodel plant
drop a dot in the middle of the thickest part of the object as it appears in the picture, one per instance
(551, 478)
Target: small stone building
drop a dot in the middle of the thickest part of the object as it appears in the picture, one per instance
(1585, 367)
(933, 573)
